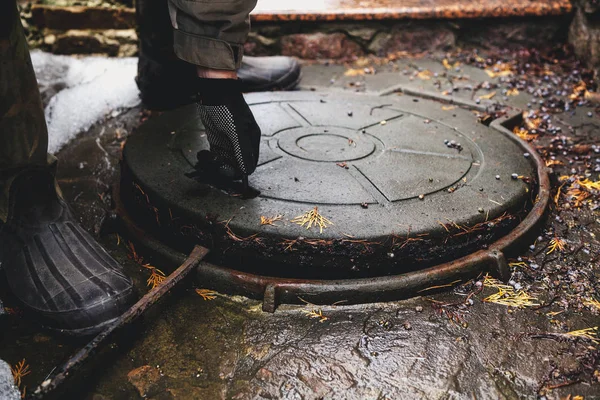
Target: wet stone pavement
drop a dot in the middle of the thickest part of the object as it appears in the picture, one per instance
(446, 344)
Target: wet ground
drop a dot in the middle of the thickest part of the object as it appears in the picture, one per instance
(449, 344)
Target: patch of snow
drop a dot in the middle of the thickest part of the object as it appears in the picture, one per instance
(88, 89)
(8, 390)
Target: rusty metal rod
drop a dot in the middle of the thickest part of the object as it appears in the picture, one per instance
(149, 299)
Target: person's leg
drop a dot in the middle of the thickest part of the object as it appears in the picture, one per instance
(52, 265)
(165, 80)
(211, 36)
(23, 133)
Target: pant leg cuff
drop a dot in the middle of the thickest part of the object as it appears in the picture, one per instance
(207, 52)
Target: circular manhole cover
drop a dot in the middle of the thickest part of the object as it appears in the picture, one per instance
(401, 183)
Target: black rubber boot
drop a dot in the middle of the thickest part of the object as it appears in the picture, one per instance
(265, 74)
(232, 132)
(166, 82)
(53, 266)
(168, 85)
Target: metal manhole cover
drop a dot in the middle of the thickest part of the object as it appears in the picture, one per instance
(405, 182)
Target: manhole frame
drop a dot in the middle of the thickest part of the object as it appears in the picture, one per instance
(275, 291)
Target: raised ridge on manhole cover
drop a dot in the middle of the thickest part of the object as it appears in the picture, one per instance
(404, 183)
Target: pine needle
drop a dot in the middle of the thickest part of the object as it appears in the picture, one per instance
(316, 314)
(133, 255)
(207, 294)
(19, 371)
(588, 333)
(520, 264)
(440, 286)
(289, 244)
(593, 303)
(156, 276)
(271, 220)
(507, 295)
(312, 218)
(556, 244)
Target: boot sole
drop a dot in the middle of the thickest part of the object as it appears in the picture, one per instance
(83, 332)
(80, 332)
(126, 298)
(285, 83)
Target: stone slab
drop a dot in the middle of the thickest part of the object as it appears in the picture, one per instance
(460, 85)
(318, 10)
(80, 17)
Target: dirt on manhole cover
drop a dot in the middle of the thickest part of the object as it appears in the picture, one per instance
(386, 184)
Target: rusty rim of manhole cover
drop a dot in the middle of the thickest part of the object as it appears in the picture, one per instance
(466, 198)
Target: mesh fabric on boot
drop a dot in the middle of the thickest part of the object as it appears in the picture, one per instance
(231, 129)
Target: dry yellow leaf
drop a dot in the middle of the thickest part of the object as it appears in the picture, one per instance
(354, 72)
(362, 62)
(503, 73)
(524, 134)
(447, 64)
(488, 96)
(425, 75)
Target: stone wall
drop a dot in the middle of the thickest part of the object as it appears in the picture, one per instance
(111, 31)
(337, 40)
